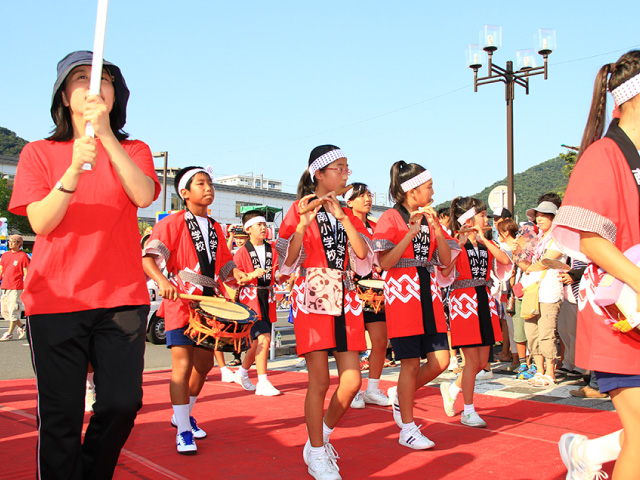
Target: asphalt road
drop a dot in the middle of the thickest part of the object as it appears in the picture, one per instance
(15, 355)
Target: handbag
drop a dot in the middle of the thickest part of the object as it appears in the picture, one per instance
(323, 291)
(530, 300)
(511, 303)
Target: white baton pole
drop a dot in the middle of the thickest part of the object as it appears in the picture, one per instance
(96, 62)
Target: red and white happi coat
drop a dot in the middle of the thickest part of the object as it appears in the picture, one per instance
(316, 331)
(248, 294)
(402, 287)
(602, 198)
(172, 246)
(464, 318)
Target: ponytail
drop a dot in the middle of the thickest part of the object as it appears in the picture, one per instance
(624, 69)
(401, 172)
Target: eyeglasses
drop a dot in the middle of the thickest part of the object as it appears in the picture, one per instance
(340, 170)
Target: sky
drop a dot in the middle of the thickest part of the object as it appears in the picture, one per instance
(254, 86)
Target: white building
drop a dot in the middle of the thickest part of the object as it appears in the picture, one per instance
(229, 198)
(228, 201)
(250, 180)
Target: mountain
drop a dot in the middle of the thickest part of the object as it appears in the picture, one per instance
(10, 143)
(529, 185)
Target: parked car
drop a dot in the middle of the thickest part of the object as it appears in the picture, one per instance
(155, 324)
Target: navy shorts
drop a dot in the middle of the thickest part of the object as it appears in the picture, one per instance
(417, 346)
(372, 317)
(260, 327)
(611, 381)
(177, 337)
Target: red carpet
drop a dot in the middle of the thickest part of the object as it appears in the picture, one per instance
(262, 438)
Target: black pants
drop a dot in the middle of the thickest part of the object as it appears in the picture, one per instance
(62, 346)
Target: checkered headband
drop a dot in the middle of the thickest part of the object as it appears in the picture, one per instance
(627, 90)
(324, 160)
(467, 215)
(415, 182)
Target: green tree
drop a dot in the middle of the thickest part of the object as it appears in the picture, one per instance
(17, 223)
(10, 143)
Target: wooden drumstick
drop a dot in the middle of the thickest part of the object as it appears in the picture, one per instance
(202, 298)
(469, 230)
(316, 203)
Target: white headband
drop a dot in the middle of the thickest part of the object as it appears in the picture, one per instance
(189, 174)
(466, 215)
(627, 90)
(252, 221)
(347, 195)
(415, 182)
(324, 160)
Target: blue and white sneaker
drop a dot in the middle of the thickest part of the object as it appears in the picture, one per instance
(527, 374)
(185, 444)
(392, 393)
(415, 439)
(521, 369)
(197, 432)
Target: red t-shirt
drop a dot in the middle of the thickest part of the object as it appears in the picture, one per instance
(93, 258)
(13, 265)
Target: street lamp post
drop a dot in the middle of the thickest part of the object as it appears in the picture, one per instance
(164, 177)
(490, 41)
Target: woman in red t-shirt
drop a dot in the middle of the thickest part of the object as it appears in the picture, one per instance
(85, 294)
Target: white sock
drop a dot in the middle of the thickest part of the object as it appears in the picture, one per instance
(315, 452)
(262, 378)
(373, 385)
(600, 450)
(90, 380)
(181, 412)
(407, 427)
(454, 390)
(468, 409)
(225, 369)
(326, 432)
(192, 402)
(243, 371)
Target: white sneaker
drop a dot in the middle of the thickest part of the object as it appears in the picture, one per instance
(6, 336)
(576, 469)
(415, 439)
(89, 399)
(197, 432)
(266, 389)
(377, 397)
(392, 393)
(453, 364)
(302, 363)
(484, 375)
(447, 401)
(244, 381)
(358, 401)
(23, 332)
(472, 420)
(228, 376)
(185, 443)
(324, 467)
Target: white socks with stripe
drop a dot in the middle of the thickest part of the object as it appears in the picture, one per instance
(468, 409)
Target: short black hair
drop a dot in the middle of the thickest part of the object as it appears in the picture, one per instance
(444, 211)
(552, 197)
(178, 177)
(246, 216)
